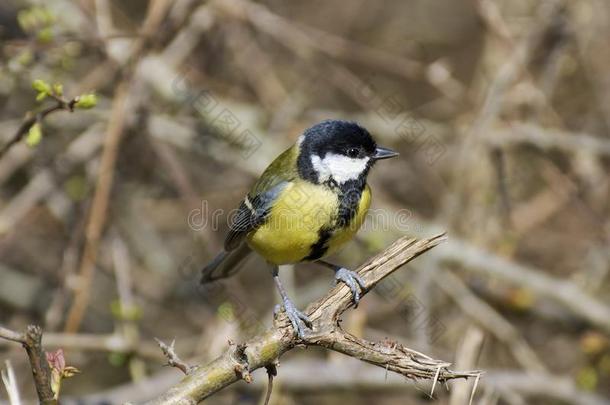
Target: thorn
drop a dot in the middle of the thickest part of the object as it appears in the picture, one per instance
(438, 371)
(474, 388)
(172, 358)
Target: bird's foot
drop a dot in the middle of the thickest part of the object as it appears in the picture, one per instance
(296, 317)
(352, 280)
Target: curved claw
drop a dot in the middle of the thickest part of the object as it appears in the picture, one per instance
(353, 281)
(295, 316)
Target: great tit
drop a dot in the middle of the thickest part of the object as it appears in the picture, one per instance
(308, 202)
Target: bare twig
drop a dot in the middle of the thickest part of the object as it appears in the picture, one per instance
(264, 349)
(12, 335)
(169, 351)
(39, 365)
(32, 343)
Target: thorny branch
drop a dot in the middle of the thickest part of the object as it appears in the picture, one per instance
(265, 349)
(169, 351)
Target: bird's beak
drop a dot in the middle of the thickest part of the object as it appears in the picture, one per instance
(384, 153)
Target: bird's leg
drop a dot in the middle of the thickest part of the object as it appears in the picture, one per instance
(293, 313)
(349, 277)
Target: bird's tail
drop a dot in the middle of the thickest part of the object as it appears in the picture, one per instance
(225, 264)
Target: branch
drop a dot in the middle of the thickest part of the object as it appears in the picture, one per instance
(264, 350)
(31, 119)
(169, 351)
(31, 341)
(12, 335)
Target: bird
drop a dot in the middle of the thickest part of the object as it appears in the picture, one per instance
(307, 204)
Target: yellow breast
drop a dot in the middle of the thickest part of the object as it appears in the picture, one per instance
(294, 224)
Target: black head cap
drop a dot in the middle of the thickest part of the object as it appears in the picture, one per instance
(338, 137)
(342, 138)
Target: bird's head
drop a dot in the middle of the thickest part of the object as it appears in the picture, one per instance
(338, 151)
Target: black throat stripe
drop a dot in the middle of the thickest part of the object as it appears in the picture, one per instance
(349, 195)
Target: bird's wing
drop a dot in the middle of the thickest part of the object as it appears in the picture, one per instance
(252, 213)
(255, 208)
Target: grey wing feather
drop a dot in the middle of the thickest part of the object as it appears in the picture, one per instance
(252, 212)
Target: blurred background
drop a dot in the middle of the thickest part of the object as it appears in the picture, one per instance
(500, 110)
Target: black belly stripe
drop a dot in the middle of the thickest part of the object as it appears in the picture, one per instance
(319, 248)
(349, 194)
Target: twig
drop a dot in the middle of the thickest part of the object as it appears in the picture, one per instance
(12, 335)
(60, 105)
(31, 341)
(39, 365)
(266, 348)
(172, 358)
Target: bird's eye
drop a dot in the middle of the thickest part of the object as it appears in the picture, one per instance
(353, 152)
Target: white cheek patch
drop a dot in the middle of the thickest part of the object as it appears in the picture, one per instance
(300, 140)
(340, 168)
